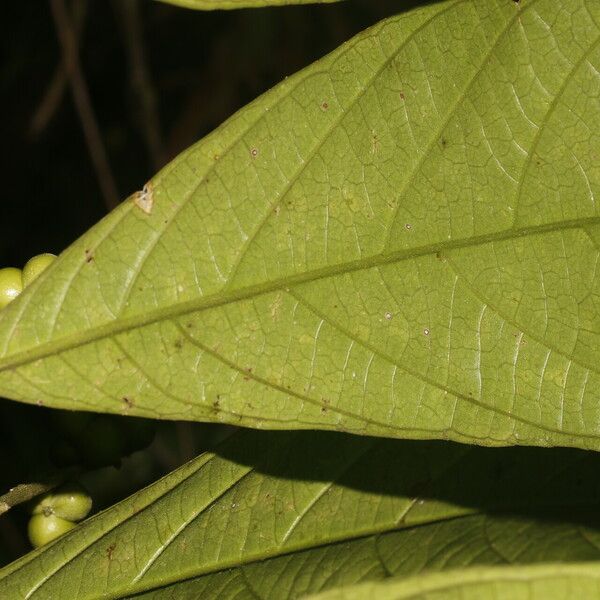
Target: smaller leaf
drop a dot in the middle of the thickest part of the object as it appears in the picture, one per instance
(544, 582)
(222, 4)
(275, 515)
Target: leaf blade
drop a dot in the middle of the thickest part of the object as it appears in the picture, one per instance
(555, 582)
(229, 4)
(382, 304)
(293, 513)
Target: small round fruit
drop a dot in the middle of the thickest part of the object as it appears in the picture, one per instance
(11, 285)
(42, 530)
(36, 266)
(70, 501)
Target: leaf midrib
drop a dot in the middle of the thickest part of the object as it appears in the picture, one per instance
(178, 309)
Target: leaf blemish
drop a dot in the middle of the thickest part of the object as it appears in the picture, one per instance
(254, 152)
(144, 200)
(324, 106)
(110, 550)
(374, 143)
(275, 307)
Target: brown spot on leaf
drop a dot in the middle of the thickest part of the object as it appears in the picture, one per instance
(374, 143)
(110, 550)
(128, 402)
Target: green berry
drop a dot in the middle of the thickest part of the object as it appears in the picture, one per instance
(42, 529)
(36, 266)
(11, 285)
(70, 501)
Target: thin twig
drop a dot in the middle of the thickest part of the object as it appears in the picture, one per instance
(52, 98)
(83, 103)
(128, 14)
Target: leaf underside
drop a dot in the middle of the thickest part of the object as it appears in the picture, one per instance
(278, 515)
(401, 240)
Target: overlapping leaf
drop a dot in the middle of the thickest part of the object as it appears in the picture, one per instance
(278, 515)
(402, 240)
(547, 582)
(222, 4)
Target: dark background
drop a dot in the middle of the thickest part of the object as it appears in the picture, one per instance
(201, 67)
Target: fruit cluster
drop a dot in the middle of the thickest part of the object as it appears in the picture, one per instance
(12, 281)
(57, 512)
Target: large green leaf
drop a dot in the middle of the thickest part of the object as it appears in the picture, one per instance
(276, 515)
(544, 582)
(219, 4)
(401, 240)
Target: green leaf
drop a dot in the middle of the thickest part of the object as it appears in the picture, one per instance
(220, 4)
(281, 514)
(544, 582)
(401, 240)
